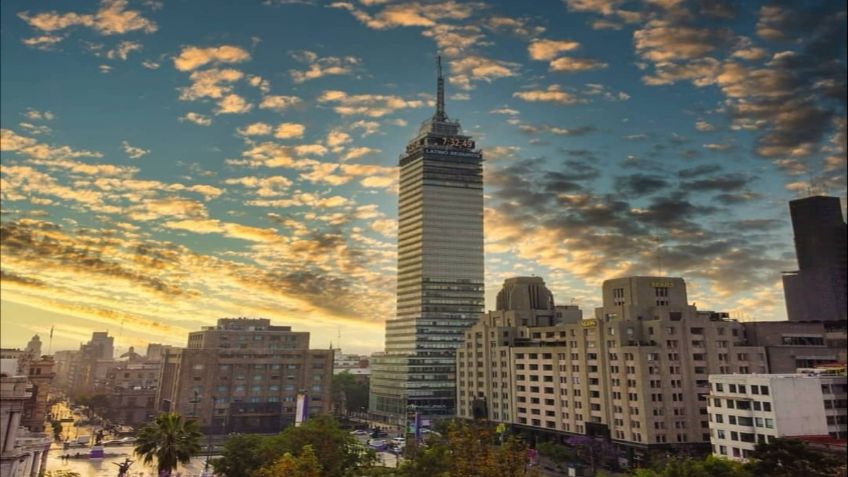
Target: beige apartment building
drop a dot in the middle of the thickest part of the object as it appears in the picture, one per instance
(637, 372)
(244, 375)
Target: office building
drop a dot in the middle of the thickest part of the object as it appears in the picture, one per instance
(440, 270)
(791, 345)
(817, 290)
(745, 410)
(244, 375)
(131, 385)
(636, 373)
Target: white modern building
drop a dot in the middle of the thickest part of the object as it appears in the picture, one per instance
(746, 409)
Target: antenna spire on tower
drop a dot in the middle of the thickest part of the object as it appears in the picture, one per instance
(440, 92)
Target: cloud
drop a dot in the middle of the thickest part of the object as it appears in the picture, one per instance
(212, 83)
(43, 42)
(368, 127)
(318, 67)
(166, 207)
(357, 152)
(567, 64)
(337, 139)
(702, 125)
(271, 186)
(372, 105)
(411, 14)
(193, 57)
(278, 103)
(478, 68)
(112, 18)
(289, 130)
(35, 115)
(259, 82)
(553, 94)
(233, 104)
(255, 129)
(134, 152)
(558, 131)
(123, 50)
(662, 40)
(522, 27)
(550, 49)
(198, 119)
(232, 230)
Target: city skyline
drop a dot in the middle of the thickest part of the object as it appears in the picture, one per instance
(165, 165)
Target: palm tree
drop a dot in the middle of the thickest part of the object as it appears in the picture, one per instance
(170, 440)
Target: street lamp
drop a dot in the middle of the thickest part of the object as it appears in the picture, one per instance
(209, 445)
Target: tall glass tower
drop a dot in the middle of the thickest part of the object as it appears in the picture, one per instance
(440, 270)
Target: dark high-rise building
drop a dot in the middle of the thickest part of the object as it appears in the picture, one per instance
(440, 270)
(816, 291)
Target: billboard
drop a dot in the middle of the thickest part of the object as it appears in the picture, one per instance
(302, 410)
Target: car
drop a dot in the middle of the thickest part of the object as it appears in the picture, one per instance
(399, 441)
(377, 444)
(359, 432)
(379, 433)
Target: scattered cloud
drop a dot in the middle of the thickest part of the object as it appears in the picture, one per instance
(318, 67)
(278, 103)
(193, 57)
(289, 130)
(197, 118)
(134, 152)
(553, 94)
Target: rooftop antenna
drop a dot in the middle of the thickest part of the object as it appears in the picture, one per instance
(659, 255)
(50, 343)
(440, 92)
(339, 337)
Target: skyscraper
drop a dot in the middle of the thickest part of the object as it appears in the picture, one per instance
(440, 269)
(816, 292)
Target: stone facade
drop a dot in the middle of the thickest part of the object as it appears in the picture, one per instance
(636, 373)
(244, 375)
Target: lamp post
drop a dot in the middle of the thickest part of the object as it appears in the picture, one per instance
(209, 442)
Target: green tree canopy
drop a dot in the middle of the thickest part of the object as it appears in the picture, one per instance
(170, 440)
(305, 465)
(348, 394)
(791, 458)
(468, 450)
(241, 456)
(339, 454)
(711, 466)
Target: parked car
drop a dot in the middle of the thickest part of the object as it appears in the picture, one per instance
(378, 445)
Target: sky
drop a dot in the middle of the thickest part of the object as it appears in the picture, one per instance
(169, 163)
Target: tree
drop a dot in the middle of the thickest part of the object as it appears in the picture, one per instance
(241, 457)
(338, 453)
(305, 465)
(56, 426)
(170, 440)
(711, 466)
(348, 394)
(595, 452)
(560, 455)
(96, 404)
(790, 458)
(469, 450)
